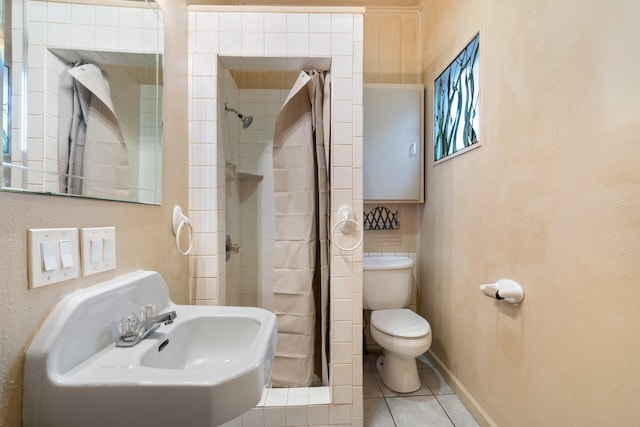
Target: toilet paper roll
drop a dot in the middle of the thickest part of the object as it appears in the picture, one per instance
(490, 291)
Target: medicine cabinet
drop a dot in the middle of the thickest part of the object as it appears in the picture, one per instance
(393, 144)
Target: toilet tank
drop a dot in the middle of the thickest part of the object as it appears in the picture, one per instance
(386, 282)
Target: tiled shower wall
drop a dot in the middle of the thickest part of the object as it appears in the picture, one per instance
(258, 206)
(285, 37)
(249, 198)
(233, 226)
(249, 201)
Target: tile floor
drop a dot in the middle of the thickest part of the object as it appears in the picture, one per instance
(434, 404)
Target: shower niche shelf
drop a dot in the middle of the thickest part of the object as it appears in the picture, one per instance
(249, 176)
(232, 173)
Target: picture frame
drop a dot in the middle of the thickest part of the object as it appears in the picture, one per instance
(456, 101)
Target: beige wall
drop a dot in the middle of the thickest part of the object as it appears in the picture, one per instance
(551, 199)
(143, 233)
(391, 48)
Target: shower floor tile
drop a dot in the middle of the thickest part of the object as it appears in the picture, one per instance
(434, 404)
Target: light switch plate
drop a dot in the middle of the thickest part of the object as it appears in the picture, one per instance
(49, 240)
(98, 249)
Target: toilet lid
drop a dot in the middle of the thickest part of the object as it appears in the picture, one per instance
(400, 323)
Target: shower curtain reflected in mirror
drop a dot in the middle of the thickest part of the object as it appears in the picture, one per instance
(301, 148)
(92, 152)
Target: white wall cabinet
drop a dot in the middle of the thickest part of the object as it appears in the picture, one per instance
(393, 144)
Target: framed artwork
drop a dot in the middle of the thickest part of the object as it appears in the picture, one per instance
(455, 125)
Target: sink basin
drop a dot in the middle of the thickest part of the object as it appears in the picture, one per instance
(205, 342)
(207, 367)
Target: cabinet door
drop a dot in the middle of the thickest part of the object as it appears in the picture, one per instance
(393, 161)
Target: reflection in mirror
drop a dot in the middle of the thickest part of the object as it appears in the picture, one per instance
(94, 101)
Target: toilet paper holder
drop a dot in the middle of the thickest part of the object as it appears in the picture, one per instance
(504, 289)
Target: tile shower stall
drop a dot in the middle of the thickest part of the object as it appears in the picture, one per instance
(273, 39)
(249, 201)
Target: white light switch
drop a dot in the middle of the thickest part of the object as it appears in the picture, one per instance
(49, 256)
(66, 254)
(98, 249)
(53, 255)
(108, 250)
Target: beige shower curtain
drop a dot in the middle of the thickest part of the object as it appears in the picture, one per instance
(92, 153)
(301, 278)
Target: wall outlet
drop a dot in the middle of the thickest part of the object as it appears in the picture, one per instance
(98, 249)
(53, 255)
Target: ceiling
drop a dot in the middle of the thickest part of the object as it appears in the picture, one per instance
(311, 3)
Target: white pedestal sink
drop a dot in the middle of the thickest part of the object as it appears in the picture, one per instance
(209, 366)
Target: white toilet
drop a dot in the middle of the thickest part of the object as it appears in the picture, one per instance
(402, 334)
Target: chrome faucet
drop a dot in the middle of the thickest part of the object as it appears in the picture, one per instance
(166, 318)
(134, 329)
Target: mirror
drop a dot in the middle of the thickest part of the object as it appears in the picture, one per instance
(90, 124)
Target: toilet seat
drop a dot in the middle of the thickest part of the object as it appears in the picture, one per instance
(401, 323)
